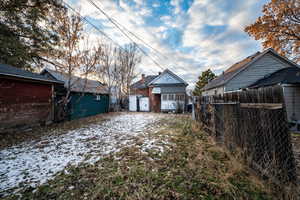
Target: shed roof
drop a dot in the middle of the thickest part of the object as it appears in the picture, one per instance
(8, 70)
(289, 75)
(78, 84)
(240, 66)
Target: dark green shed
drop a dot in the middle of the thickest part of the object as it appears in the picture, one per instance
(87, 104)
(87, 97)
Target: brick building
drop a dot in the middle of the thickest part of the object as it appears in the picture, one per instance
(26, 99)
(164, 92)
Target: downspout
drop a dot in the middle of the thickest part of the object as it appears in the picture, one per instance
(52, 103)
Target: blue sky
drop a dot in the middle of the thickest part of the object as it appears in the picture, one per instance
(192, 35)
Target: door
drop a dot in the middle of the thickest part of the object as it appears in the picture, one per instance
(133, 103)
(144, 104)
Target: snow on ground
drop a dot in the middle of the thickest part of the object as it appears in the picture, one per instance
(33, 163)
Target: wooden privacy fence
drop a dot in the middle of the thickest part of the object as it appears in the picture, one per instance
(253, 122)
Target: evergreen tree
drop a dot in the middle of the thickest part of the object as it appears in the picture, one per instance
(25, 36)
(206, 76)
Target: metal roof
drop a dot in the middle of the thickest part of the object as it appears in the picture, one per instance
(78, 84)
(289, 75)
(8, 70)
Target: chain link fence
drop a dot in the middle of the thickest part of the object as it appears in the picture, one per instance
(253, 123)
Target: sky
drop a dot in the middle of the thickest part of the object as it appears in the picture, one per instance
(190, 35)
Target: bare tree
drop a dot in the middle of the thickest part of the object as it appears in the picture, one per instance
(90, 58)
(129, 58)
(117, 69)
(106, 70)
(76, 55)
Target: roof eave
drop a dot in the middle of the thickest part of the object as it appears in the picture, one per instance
(31, 78)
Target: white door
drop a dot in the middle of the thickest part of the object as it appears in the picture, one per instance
(144, 104)
(133, 103)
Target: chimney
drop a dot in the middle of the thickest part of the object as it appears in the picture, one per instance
(143, 78)
(159, 73)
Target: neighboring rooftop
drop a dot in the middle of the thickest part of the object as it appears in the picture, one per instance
(289, 75)
(8, 70)
(230, 72)
(240, 66)
(149, 80)
(78, 84)
(142, 84)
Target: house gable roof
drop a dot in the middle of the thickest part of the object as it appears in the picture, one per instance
(8, 70)
(167, 77)
(238, 67)
(78, 84)
(143, 84)
(289, 75)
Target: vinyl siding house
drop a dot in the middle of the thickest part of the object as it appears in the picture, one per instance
(289, 80)
(26, 99)
(165, 92)
(246, 72)
(87, 98)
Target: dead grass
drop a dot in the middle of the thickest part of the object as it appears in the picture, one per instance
(190, 167)
(14, 138)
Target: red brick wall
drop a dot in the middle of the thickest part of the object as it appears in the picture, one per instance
(144, 92)
(154, 101)
(23, 103)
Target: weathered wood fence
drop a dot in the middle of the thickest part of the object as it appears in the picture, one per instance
(254, 123)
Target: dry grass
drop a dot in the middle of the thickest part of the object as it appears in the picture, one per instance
(190, 167)
(14, 138)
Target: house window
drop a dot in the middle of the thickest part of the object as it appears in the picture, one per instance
(165, 97)
(171, 97)
(179, 97)
(98, 97)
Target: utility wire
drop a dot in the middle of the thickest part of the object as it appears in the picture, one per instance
(93, 25)
(136, 36)
(124, 33)
(133, 34)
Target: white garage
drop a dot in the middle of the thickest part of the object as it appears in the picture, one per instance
(144, 104)
(139, 103)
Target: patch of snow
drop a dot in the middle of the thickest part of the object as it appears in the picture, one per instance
(33, 163)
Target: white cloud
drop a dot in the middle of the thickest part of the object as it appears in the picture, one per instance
(206, 50)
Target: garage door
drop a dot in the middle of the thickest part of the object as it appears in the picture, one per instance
(144, 104)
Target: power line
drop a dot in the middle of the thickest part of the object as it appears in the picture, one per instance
(136, 36)
(93, 25)
(124, 33)
(130, 32)
(96, 28)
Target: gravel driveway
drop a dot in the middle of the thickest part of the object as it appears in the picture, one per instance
(33, 163)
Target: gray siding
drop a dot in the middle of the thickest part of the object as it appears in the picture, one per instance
(214, 91)
(167, 90)
(292, 101)
(259, 69)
